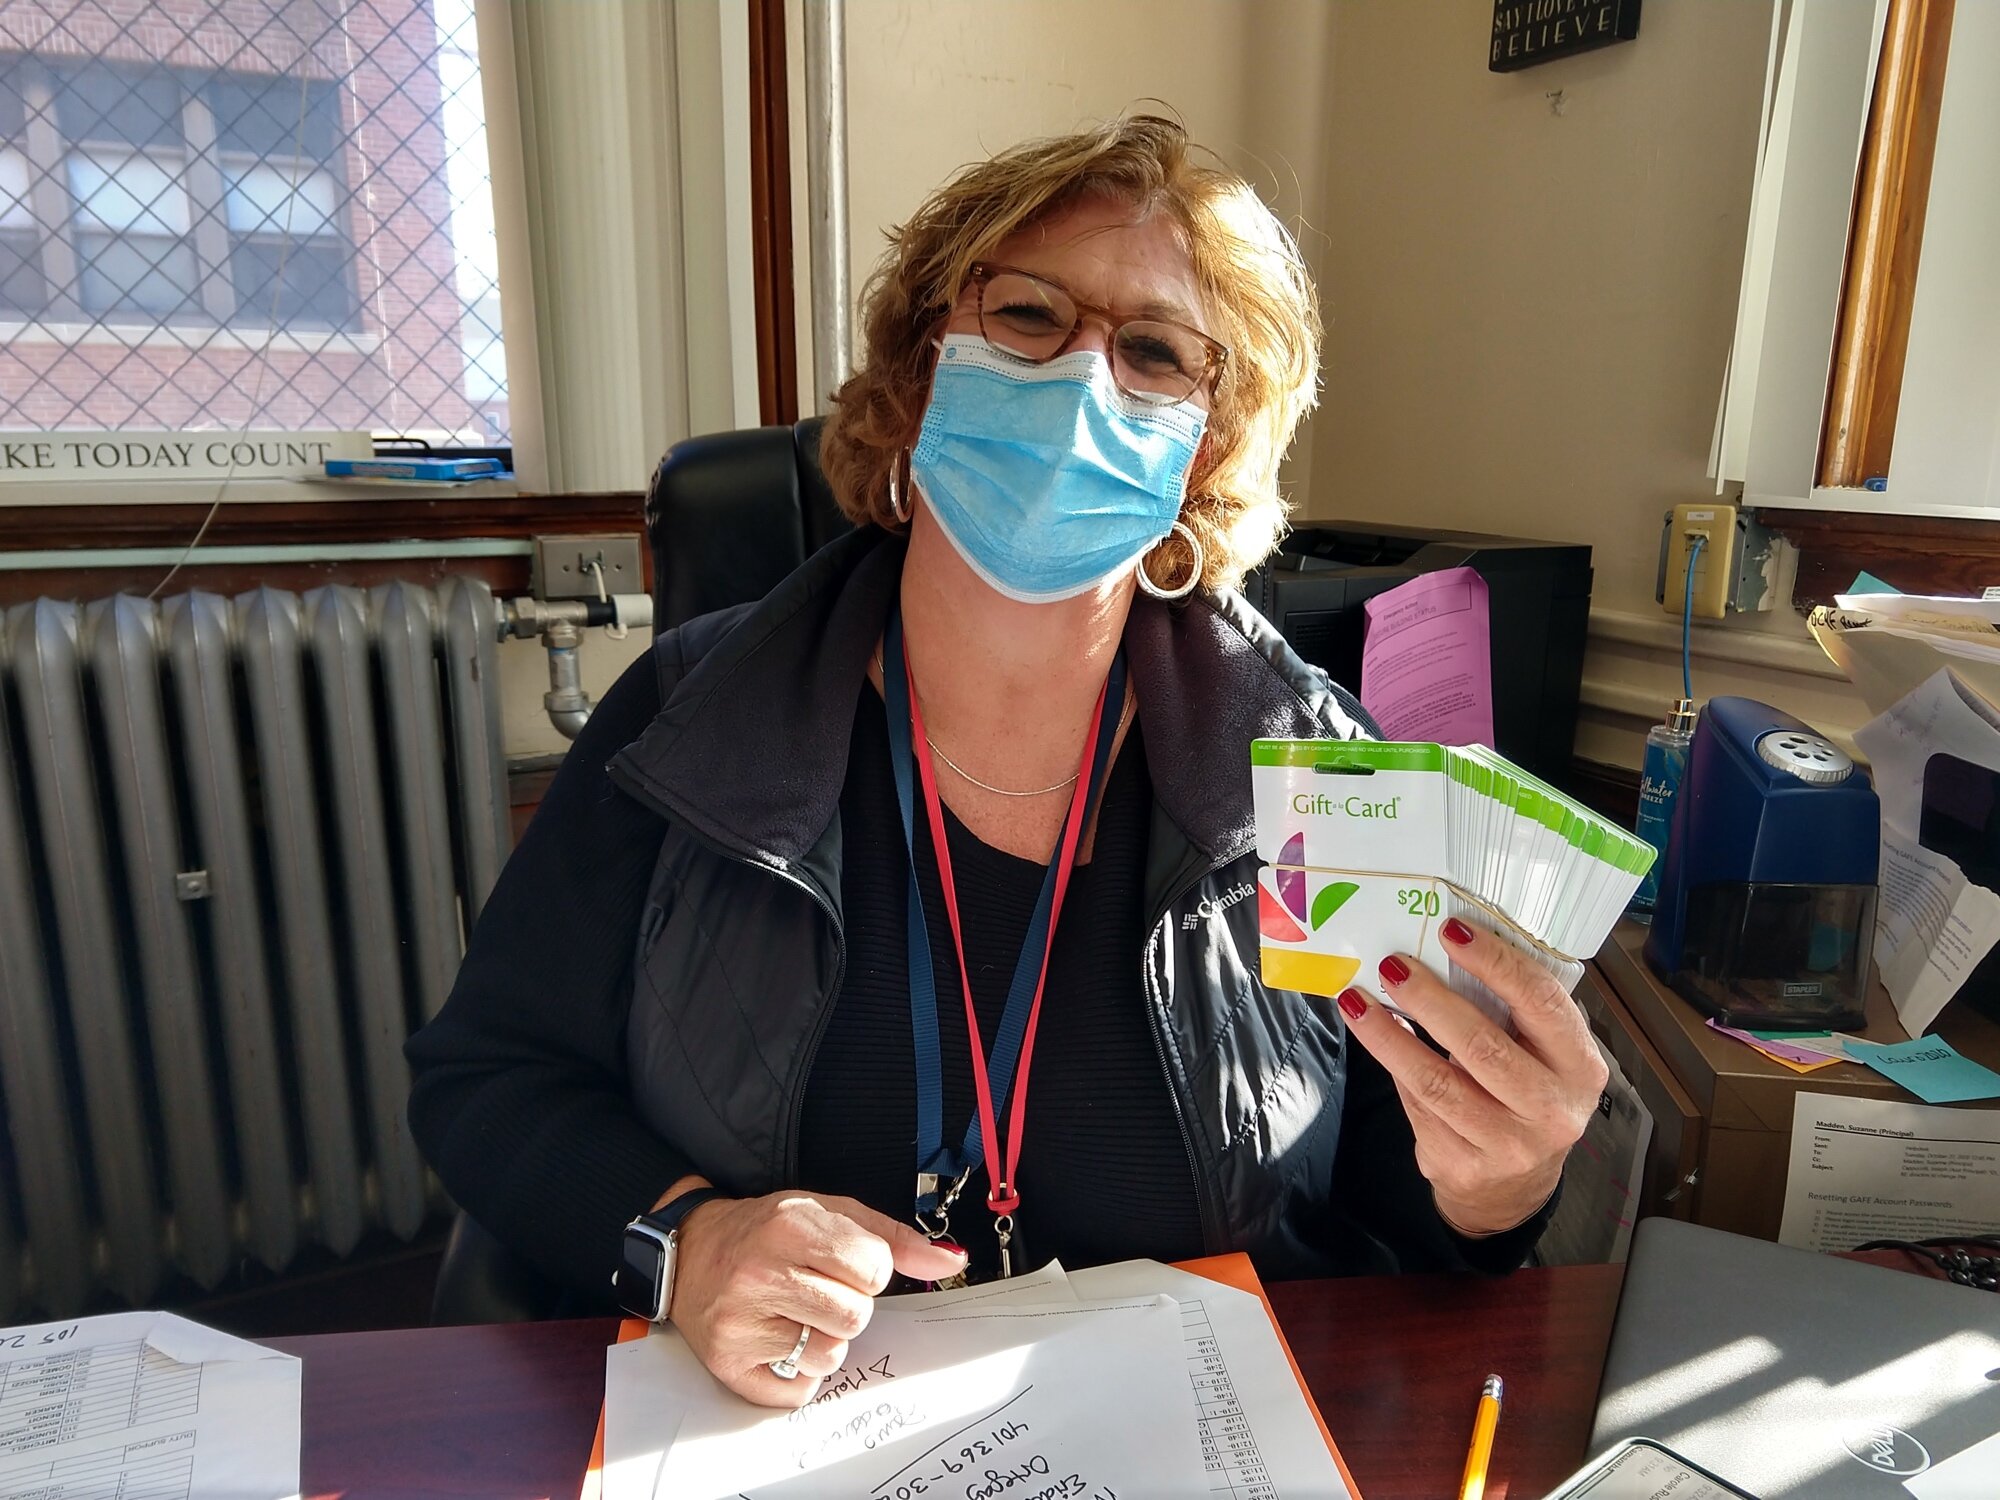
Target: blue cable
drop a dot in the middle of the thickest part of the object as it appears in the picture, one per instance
(1687, 619)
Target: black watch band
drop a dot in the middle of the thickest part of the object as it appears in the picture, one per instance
(644, 1280)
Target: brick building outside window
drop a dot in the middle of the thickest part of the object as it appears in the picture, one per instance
(247, 213)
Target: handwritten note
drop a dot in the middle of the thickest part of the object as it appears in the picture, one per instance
(1933, 1070)
(1427, 663)
(1077, 1401)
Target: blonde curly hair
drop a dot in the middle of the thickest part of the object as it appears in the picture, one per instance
(1254, 285)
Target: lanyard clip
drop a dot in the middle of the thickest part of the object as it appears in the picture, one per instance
(931, 1203)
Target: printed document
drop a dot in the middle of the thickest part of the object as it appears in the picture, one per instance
(1258, 1436)
(980, 1399)
(1933, 927)
(1600, 1202)
(1867, 1169)
(1427, 662)
(1971, 1475)
(145, 1403)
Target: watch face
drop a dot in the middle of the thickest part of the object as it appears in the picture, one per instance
(642, 1271)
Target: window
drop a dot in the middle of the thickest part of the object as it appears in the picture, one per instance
(240, 213)
(1865, 375)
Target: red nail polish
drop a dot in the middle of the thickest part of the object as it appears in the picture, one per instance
(1394, 971)
(1353, 1004)
(1455, 931)
(952, 1245)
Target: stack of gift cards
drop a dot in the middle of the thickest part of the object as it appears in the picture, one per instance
(1371, 845)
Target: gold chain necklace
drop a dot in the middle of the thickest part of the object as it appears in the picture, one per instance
(1124, 717)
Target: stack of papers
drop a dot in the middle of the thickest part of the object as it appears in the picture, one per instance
(1933, 926)
(1929, 669)
(145, 1403)
(1370, 845)
(1134, 1379)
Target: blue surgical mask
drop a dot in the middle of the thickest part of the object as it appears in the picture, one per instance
(1048, 479)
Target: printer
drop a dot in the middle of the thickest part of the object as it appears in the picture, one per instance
(1538, 594)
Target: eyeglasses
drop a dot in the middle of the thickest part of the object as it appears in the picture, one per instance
(1153, 359)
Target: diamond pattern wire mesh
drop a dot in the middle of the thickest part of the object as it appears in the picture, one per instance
(247, 213)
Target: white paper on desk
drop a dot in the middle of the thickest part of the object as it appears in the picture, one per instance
(1866, 1169)
(1601, 1183)
(1939, 716)
(1427, 661)
(1938, 611)
(1932, 928)
(1049, 1284)
(1258, 1436)
(1971, 1475)
(1081, 1399)
(643, 1395)
(1887, 659)
(145, 1403)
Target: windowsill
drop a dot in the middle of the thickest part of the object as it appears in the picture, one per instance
(58, 493)
(1919, 554)
(1864, 504)
(171, 336)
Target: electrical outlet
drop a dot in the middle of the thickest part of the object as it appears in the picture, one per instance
(567, 567)
(1714, 563)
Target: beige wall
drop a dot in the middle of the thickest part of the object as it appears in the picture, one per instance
(935, 84)
(1529, 300)
(1530, 303)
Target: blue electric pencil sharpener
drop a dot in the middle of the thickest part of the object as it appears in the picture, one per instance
(1766, 911)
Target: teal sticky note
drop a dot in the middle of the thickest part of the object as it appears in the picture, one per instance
(1933, 1070)
(1868, 583)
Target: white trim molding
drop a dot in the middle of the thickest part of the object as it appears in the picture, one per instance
(1632, 675)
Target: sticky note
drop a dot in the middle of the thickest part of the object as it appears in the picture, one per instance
(1933, 1070)
(1798, 1059)
(1868, 583)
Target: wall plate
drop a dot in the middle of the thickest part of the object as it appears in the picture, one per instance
(1744, 566)
(563, 566)
(1714, 566)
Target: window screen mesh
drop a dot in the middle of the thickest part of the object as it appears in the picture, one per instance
(247, 213)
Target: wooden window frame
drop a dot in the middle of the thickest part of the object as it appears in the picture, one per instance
(1885, 243)
(1918, 554)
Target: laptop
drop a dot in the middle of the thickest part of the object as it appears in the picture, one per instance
(1794, 1375)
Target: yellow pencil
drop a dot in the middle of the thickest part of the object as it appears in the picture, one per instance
(1473, 1486)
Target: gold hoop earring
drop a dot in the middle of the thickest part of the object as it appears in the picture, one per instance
(1194, 573)
(899, 504)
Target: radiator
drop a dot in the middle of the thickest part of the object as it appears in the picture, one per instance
(241, 843)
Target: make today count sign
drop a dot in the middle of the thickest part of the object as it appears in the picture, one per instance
(1526, 32)
(44, 457)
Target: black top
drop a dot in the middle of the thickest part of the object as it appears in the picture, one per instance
(529, 1053)
(1104, 1170)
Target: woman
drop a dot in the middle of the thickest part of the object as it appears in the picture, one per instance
(997, 739)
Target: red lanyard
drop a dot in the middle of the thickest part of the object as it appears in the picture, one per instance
(1003, 1196)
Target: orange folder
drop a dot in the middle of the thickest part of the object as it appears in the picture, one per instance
(1230, 1270)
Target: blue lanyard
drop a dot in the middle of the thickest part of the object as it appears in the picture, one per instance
(937, 1163)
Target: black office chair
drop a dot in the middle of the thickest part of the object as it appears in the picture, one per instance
(728, 516)
(731, 514)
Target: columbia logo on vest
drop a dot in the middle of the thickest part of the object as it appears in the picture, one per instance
(1212, 907)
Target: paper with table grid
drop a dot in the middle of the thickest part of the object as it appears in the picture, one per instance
(145, 1404)
(1253, 1435)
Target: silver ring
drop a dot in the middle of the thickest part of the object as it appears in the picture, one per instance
(788, 1367)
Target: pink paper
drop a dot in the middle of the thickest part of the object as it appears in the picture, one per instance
(1775, 1049)
(1427, 664)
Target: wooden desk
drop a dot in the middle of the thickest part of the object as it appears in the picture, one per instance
(1742, 1101)
(1394, 1362)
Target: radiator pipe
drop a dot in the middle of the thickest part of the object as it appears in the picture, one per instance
(567, 703)
(825, 48)
(561, 623)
